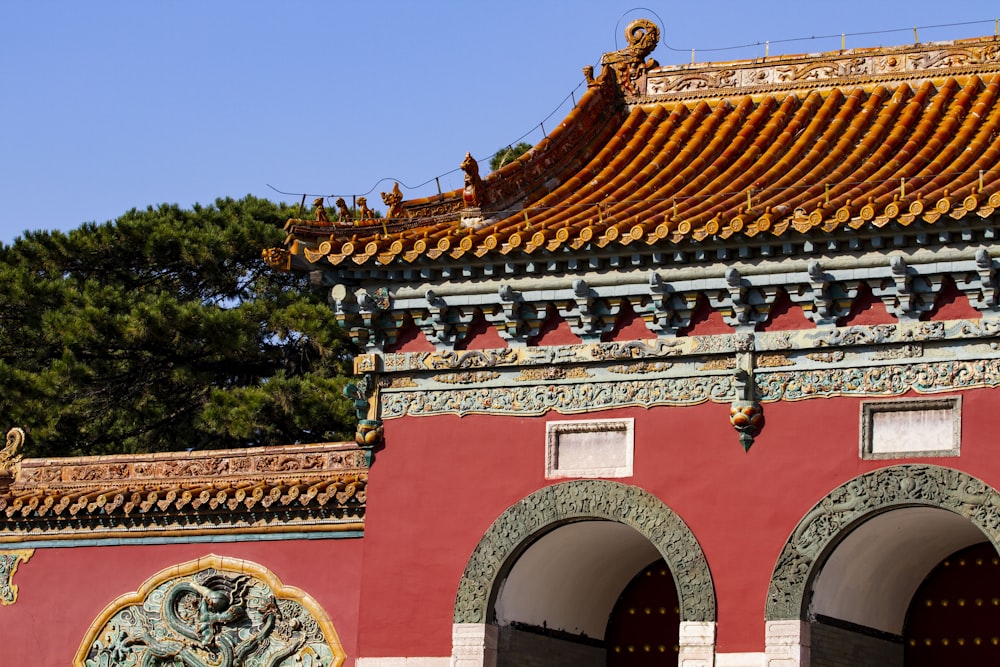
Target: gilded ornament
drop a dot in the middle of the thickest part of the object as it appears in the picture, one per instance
(641, 367)
(720, 364)
(394, 200)
(277, 258)
(550, 373)
(827, 357)
(320, 211)
(468, 377)
(343, 213)
(773, 360)
(630, 64)
(366, 363)
(11, 455)
(364, 213)
(473, 191)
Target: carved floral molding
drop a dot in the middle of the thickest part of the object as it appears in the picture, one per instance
(569, 398)
(301, 487)
(881, 360)
(246, 463)
(860, 65)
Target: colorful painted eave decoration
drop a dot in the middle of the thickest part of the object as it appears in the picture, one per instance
(813, 146)
(296, 488)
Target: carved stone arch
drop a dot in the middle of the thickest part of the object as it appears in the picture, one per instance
(213, 611)
(846, 507)
(553, 506)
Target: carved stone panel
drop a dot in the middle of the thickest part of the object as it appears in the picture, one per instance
(586, 499)
(212, 612)
(859, 499)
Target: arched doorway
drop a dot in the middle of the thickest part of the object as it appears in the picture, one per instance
(544, 579)
(844, 582)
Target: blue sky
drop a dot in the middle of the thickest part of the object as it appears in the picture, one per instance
(106, 106)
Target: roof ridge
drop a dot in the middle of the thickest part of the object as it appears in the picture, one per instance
(831, 68)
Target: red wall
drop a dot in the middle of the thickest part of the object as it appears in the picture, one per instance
(63, 590)
(441, 481)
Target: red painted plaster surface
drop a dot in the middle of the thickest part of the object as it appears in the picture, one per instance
(412, 339)
(63, 590)
(630, 326)
(866, 309)
(555, 331)
(441, 481)
(786, 316)
(482, 336)
(705, 322)
(952, 305)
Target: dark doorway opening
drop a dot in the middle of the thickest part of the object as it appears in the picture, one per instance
(954, 617)
(644, 626)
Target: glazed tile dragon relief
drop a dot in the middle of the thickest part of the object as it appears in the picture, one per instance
(212, 618)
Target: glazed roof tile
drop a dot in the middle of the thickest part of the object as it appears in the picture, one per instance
(801, 145)
(185, 491)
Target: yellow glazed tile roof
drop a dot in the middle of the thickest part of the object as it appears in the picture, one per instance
(183, 490)
(801, 145)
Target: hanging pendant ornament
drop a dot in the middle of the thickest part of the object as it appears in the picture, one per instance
(747, 417)
(746, 413)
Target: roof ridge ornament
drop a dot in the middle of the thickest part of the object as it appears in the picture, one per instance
(10, 454)
(630, 64)
(473, 191)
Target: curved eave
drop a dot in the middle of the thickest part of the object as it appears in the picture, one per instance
(808, 162)
(312, 485)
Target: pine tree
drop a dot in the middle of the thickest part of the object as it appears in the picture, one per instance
(164, 331)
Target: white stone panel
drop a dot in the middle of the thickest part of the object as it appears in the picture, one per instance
(473, 645)
(786, 644)
(911, 427)
(589, 448)
(696, 644)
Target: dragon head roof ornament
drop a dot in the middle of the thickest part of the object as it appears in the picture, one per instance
(10, 454)
(630, 64)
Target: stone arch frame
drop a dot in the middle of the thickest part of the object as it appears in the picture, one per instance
(553, 506)
(850, 504)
